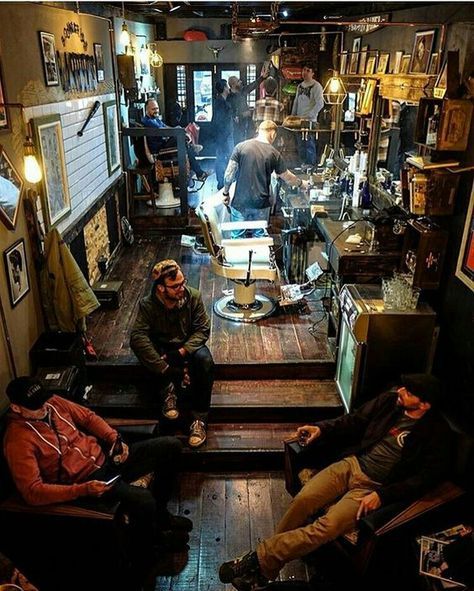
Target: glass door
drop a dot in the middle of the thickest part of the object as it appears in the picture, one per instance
(348, 365)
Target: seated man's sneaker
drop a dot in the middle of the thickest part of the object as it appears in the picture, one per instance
(243, 572)
(169, 409)
(197, 434)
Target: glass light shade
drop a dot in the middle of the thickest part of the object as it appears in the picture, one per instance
(124, 35)
(156, 61)
(334, 92)
(33, 173)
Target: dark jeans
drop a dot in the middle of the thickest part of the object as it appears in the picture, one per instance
(146, 508)
(306, 149)
(197, 396)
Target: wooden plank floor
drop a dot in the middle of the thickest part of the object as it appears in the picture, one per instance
(284, 337)
(231, 513)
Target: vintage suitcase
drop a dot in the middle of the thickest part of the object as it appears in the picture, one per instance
(109, 293)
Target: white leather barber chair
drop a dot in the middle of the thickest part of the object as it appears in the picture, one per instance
(242, 260)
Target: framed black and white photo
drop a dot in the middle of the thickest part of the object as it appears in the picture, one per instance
(11, 186)
(434, 64)
(111, 135)
(99, 61)
(50, 64)
(17, 271)
(421, 54)
(354, 63)
(343, 63)
(49, 139)
(4, 120)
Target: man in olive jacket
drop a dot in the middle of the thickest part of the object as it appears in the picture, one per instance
(393, 448)
(169, 337)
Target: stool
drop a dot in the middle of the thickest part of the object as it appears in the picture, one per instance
(146, 176)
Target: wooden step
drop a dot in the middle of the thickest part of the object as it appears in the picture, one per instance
(234, 400)
(131, 369)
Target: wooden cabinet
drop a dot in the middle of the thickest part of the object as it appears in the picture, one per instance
(427, 244)
(431, 192)
(453, 125)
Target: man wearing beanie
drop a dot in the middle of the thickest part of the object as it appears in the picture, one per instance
(396, 447)
(169, 338)
(59, 451)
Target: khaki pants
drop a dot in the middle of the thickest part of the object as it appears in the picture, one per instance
(341, 485)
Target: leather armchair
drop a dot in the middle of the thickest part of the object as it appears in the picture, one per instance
(60, 546)
(360, 545)
(243, 260)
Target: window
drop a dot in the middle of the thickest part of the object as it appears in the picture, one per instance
(251, 77)
(202, 89)
(181, 86)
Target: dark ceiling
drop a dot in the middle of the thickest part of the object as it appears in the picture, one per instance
(247, 10)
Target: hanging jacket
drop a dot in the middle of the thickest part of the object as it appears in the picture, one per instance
(49, 461)
(67, 297)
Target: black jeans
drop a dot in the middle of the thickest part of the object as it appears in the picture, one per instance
(145, 508)
(197, 396)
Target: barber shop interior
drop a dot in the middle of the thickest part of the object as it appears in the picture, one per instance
(236, 296)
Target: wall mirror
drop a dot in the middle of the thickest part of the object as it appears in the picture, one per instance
(11, 186)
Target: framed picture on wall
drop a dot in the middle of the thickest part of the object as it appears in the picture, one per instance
(406, 59)
(383, 63)
(99, 61)
(370, 66)
(355, 55)
(434, 64)
(48, 53)
(11, 186)
(111, 135)
(4, 121)
(363, 59)
(465, 264)
(421, 51)
(397, 64)
(17, 272)
(343, 63)
(49, 140)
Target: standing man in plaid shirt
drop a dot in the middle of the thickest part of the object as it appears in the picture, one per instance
(269, 108)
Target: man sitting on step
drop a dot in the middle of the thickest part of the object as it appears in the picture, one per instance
(395, 447)
(59, 451)
(169, 338)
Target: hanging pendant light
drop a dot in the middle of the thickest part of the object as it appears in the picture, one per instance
(33, 173)
(124, 35)
(334, 92)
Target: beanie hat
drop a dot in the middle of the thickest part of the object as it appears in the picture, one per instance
(423, 385)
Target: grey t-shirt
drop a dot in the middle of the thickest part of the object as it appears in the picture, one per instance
(379, 459)
(256, 160)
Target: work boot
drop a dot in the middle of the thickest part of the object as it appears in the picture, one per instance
(244, 572)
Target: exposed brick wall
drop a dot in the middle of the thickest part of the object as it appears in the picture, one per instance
(96, 238)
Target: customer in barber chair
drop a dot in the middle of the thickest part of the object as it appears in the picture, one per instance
(169, 338)
(59, 451)
(251, 165)
(154, 144)
(394, 448)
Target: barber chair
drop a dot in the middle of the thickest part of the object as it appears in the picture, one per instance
(75, 545)
(242, 260)
(361, 545)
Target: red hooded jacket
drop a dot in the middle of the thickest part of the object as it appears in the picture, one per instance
(50, 461)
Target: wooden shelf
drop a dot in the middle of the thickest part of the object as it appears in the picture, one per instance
(426, 164)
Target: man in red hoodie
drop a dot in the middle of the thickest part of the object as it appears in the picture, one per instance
(60, 451)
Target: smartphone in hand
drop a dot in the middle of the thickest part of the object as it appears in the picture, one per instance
(112, 480)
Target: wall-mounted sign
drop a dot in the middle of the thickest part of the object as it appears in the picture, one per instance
(368, 24)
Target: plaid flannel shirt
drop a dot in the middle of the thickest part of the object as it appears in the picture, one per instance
(268, 109)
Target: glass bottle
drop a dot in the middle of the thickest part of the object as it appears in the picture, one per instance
(432, 130)
(365, 196)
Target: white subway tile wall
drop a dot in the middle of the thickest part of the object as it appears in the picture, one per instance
(86, 156)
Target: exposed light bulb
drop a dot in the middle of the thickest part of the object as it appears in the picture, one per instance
(125, 35)
(156, 61)
(33, 172)
(334, 84)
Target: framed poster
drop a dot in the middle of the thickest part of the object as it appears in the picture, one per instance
(465, 265)
(383, 63)
(4, 121)
(48, 53)
(398, 62)
(421, 51)
(363, 59)
(11, 186)
(371, 63)
(355, 55)
(99, 61)
(49, 139)
(111, 135)
(343, 63)
(16, 271)
(434, 63)
(406, 59)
